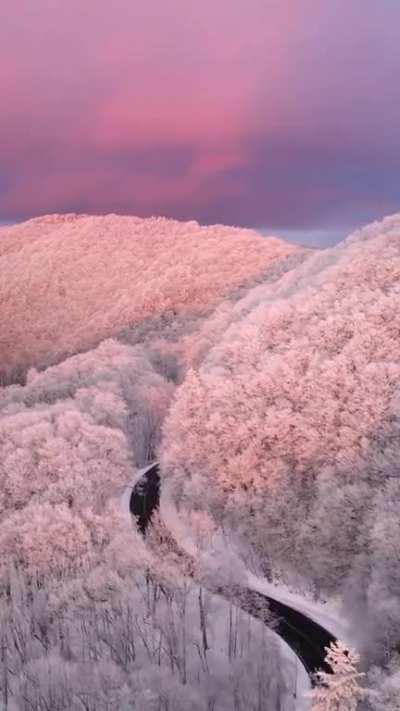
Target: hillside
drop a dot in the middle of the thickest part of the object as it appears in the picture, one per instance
(265, 378)
(90, 617)
(69, 281)
(288, 427)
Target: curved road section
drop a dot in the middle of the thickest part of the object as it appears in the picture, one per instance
(305, 637)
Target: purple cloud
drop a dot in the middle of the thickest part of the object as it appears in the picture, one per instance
(268, 113)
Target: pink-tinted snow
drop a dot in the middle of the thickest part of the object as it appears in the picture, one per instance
(68, 281)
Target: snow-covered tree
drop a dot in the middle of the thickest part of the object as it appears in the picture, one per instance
(339, 689)
(70, 440)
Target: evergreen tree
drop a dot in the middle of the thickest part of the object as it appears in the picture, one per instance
(340, 689)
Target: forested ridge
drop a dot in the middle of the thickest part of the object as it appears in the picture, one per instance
(266, 379)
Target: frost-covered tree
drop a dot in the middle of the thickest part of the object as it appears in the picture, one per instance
(339, 689)
(70, 440)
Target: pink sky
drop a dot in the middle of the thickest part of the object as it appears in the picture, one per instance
(261, 112)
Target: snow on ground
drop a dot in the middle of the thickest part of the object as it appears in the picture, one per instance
(219, 551)
(296, 699)
(218, 556)
(214, 553)
(299, 700)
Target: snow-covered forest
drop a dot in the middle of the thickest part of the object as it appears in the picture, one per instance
(265, 378)
(73, 280)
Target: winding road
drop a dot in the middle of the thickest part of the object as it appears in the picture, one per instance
(304, 636)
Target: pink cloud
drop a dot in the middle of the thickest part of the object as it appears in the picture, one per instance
(87, 89)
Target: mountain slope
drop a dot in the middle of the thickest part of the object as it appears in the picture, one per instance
(289, 429)
(68, 281)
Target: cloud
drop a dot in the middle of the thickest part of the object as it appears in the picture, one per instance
(254, 113)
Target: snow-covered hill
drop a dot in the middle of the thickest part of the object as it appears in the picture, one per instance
(265, 376)
(289, 428)
(68, 281)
